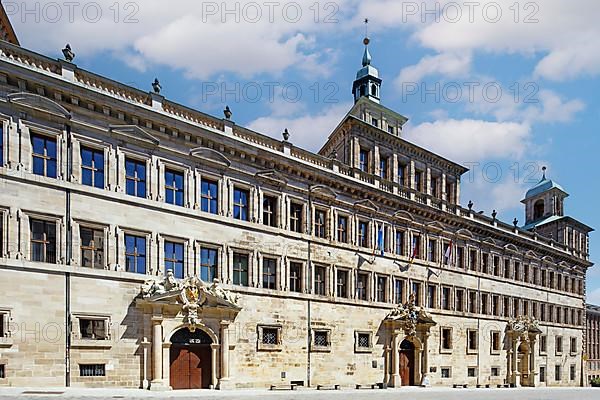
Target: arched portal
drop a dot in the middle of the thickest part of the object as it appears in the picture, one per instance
(190, 359)
(407, 363)
(523, 363)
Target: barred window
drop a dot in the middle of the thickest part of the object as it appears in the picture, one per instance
(92, 370)
(321, 338)
(364, 340)
(269, 336)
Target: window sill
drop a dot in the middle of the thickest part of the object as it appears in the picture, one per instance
(6, 343)
(320, 349)
(363, 350)
(495, 352)
(270, 347)
(445, 351)
(91, 344)
(472, 351)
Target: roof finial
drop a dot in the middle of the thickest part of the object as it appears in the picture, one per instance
(367, 56)
(544, 172)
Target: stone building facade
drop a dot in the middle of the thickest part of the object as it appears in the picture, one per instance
(146, 244)
(592, 350)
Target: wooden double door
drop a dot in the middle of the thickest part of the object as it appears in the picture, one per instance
(190, 366)
(407, 363)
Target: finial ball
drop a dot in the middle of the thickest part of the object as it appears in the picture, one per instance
(366, 41)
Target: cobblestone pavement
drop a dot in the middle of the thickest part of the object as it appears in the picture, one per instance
(391, 394)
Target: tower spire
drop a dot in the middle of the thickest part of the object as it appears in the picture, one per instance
(367, 83)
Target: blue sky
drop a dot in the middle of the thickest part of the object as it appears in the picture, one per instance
(291, 65)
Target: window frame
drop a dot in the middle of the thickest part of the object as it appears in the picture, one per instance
(238, 273)
(174, 242)
(92, 247)
(261, 345)
(320, 283)
(44, 157)
(271, 274)
(240, 207)
(136, 255)
(137, 181)
(206, 197)
(210, 268)
(443, 348)
(45, 241)
(472, 349)
(321, 348)
(357, 338)
(298, 279)
(94, 169)
(175, 171)
(493, 349)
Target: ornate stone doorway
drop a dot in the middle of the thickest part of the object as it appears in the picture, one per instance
(408, 329)
(190, 360)
(521, 333)
(186, 333)
(407, 363)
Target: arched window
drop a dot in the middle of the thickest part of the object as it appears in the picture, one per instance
(374, 90)
(363, 90)
(538, 209)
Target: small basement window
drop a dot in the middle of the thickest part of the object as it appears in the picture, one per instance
(269, 338)
(2, 372)
(321, 340)
(92, 370)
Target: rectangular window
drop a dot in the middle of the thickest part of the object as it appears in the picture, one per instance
(446, 338)
(88, 370)
(471, 372)
(44, 155)
(270, 211)
(363, 340)
(381, 286)
(361, 286)
(342, 283)
(92, 167)
(542, 374)
(496, 271)
(434, 187)
(342, 229)
(506, 306)
(375, 122)
(135, 254)
(270, 336)
(320, 223)
(416, 247)
(363, 234)
(416, 292)
(240, 204)
(174, 187)
(135, 178)
(446, 298)
(269, 273)
(364, 161)
(296, 277)
(460, 254)
(209, 196)
(485, 265)
(1, 144)
(43, 241)
(321, 338)
(495, 341)
(473, 260)
(419, 180)
(507, 268)
(484, 303)
(93, 329)
(495, 305)
(495, 371)
(431, 296)
(296, 217)
(92, 248)
(401, 174)
(460, 300)
(431, 250)
(320, 280)
(2, 372)
(471, 340)
(400, 243)
(559, 345)
(240, 269)
(446, 372)
(572, 372)
(174, 259)
(557, 372)
(208, 264)
(398, 291)
(473, 302)
(383, 168)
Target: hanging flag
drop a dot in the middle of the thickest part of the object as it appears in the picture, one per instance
(414, 251)
(380, 240)
(448, 255)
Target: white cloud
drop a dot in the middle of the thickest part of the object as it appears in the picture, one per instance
(447, 64)
(472, 140)
(307, 131)
(200, 38)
